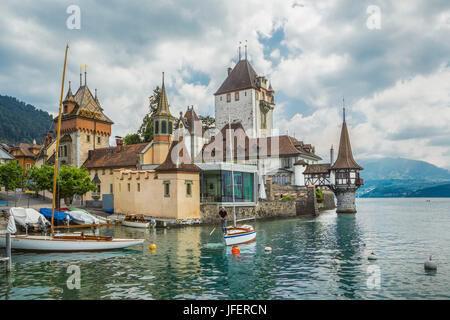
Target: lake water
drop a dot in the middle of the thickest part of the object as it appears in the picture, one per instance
(322, 257)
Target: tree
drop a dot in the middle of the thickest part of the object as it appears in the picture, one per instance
(208, 122)
(74, 181)
(42, 178)
(11, 177)
(146, 129)
(71, 181)
(132, 138)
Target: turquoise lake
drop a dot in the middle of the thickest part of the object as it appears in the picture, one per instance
(323, 257)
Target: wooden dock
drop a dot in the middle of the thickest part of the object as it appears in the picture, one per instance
(85, 225)
(7, 259)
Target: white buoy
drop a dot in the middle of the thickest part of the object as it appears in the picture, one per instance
(268, 249)
(430, 265)
(372, 256)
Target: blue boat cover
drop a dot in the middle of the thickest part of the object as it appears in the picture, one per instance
(60, 216)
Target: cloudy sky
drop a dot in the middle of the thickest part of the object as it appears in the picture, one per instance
(390, 59)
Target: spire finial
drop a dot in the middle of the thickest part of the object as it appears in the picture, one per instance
(70, 82)
(96, 94)
(245, 49)
(81, 77)
(163, 78)
(343, 107)
(85, 74)
(240, 42)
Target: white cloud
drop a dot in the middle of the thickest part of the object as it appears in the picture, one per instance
(394, 79)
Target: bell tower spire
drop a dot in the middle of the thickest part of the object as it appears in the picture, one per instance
(162, 119)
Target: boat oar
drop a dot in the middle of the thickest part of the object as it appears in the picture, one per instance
(212, 231)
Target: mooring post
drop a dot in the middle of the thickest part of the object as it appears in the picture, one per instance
(8, 252)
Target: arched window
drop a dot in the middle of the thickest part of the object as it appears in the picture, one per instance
(156, 127)
(170, 127)
(163, 127)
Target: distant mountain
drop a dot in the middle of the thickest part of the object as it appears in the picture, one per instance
(438, 191)
(402, 169)
(21, 122)
(398, 177)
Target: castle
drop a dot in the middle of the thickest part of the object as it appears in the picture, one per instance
(182, 163)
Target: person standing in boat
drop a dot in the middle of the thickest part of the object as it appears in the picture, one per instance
(223, 219)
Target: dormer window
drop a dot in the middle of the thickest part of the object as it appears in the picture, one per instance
(65, 109)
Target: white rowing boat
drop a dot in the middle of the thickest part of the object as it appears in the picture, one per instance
(135, 222)
(67, 242)
(239, 234)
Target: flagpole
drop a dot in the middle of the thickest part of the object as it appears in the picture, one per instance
(232, 171)
(55, 173)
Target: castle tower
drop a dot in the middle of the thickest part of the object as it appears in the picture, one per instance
(345, 174)
(246, 97)
(84, 126)
(163, 123)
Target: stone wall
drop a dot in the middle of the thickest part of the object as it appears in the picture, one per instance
(264, 209)
(328, 200)
(307, 205)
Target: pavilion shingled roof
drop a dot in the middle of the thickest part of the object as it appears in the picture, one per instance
(345, 156)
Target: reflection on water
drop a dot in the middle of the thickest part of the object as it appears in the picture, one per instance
(312, 258)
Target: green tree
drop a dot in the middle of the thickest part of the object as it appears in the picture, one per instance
(11, 177)
(132, 138)
(42, 178)
(146, 129)
(208, 122)
(74, 181)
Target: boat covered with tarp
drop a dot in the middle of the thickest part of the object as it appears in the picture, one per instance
(29, 219)
(59, 215)
(83, 217)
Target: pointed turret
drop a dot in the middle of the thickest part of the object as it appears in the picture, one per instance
(163, 104)
(344, 174)
(69, 95)
(345, 156)
(163, 119)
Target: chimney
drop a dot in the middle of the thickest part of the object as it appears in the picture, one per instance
(119, 143)
(229, 70)
(331, 155)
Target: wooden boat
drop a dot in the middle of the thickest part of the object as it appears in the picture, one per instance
(239, 234)
(67, 242)
(135, 222)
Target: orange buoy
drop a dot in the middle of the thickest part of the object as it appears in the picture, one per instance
(152, 246)
(235, 250)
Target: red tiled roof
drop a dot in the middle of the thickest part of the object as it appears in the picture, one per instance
(252, 148)
(182, 157)
(115, 157)
(26, 148)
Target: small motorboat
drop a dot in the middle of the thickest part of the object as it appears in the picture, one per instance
(83, 217)
(135, 221)
(239, 234)
(29, 219)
